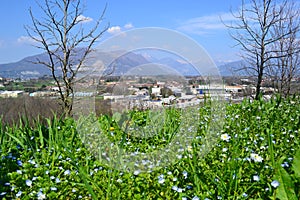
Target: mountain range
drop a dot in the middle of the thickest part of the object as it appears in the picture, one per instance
(27, 68)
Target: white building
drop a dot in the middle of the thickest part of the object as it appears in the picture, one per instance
(14, 94)
(233, 89)
(155, 90)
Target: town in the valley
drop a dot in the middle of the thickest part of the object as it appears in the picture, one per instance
(142, 91)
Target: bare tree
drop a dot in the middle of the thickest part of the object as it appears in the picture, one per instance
(253, 33)
(284, 69)
(61, 34)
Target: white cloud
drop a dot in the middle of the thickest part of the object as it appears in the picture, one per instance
(205, 24)
(83, 19)
(128, 26)
(114, 29)
(119, 29)
(25, 40)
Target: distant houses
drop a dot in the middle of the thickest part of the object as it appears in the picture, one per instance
(13, 94)
(152, 92)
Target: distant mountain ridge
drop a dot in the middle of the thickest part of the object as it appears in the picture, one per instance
(26, 68)
(232, 68)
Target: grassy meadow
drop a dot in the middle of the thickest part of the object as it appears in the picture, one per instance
(255, 155)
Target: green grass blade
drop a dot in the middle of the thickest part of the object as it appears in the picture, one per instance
(285, 191)
(17, 140)
(296, 164)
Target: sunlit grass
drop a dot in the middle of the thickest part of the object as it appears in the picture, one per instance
(255, 156)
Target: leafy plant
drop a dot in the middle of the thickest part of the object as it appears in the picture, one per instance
(252, 157)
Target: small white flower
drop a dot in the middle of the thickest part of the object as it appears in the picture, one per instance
(275, 184)
(19, 171)
(32, 162)
(136, 172)
(256, 158)
(185, 174)
(161, 179)
(19, 194)
(245, 194)
(53, 188)
(263, 148)
(41, 196)
(177, 189)
(28, 183)
(119, 180)
(285, 164)
(256, 178)
(3, 193)
(225, 137)
(195, 198)
(67, 172)
(224, 149)
(174, 188)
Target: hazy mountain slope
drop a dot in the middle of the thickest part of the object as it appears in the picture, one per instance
(25, 68)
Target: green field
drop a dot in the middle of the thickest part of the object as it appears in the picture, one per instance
(254, 155)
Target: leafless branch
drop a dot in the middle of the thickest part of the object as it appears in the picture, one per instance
(60, 33)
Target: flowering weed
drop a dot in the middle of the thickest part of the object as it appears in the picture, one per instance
(255, 157)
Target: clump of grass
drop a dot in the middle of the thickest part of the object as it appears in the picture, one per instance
(254, 156)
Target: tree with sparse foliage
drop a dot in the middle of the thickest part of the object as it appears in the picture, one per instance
(65, 35)
(285, 68)
(253, 32)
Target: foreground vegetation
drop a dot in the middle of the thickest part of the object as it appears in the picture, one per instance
(256, 156)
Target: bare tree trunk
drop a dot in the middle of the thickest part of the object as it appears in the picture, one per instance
(287, 49)
(253, 33)
(61, 35)
(258, 83)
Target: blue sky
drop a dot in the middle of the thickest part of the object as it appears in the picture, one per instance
(197, 19)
